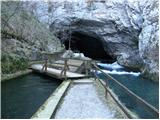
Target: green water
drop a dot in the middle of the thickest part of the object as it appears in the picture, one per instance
(21, 97)
(146, 89)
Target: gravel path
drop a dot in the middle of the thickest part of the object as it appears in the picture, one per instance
(82, 101)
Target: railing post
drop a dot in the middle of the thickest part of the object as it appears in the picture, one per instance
(64, 70)
(106, 87)
(65, 75)
(44, 68)
(86, 67)
(95, 74)
(46, 65)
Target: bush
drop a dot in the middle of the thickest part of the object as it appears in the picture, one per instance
(12, 64)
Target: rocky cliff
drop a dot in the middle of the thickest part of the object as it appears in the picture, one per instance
(23, 37)
(149, 40)
(22, 33)
(127, 30)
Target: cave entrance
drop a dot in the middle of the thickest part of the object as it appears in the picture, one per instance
(90, 45)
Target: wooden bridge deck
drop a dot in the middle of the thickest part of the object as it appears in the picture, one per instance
(61, 65)
(71, 62)
(56, 72)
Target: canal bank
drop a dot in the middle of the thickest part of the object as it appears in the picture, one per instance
(5, 77)
(82, 98)
(22, 96)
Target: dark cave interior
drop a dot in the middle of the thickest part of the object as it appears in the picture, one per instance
(90, 45)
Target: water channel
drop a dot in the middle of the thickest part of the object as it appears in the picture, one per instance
(146, 89)
(22, 96)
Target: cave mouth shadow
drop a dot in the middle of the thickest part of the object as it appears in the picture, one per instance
(90, 45)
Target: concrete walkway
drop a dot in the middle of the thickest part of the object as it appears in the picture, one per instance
(82, 101)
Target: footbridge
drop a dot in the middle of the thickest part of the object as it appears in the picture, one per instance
(83, 94)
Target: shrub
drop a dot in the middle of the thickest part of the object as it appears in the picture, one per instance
(12, 64)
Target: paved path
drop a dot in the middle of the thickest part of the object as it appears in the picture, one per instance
(82, 101)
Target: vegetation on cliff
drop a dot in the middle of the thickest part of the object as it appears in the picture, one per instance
(11, 64)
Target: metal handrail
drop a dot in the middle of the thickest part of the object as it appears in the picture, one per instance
(115, 99)
(139, 100)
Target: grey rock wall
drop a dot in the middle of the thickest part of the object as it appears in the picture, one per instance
(149, 40)
(128, 30)
(23, 35)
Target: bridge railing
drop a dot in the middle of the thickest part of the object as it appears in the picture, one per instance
(137, 99)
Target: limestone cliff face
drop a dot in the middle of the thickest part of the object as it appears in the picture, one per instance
(23, 35)
(128, 29)
(149, 40)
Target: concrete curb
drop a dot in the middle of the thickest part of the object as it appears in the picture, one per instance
(6, 77)
(48, 108)
(111, 102)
